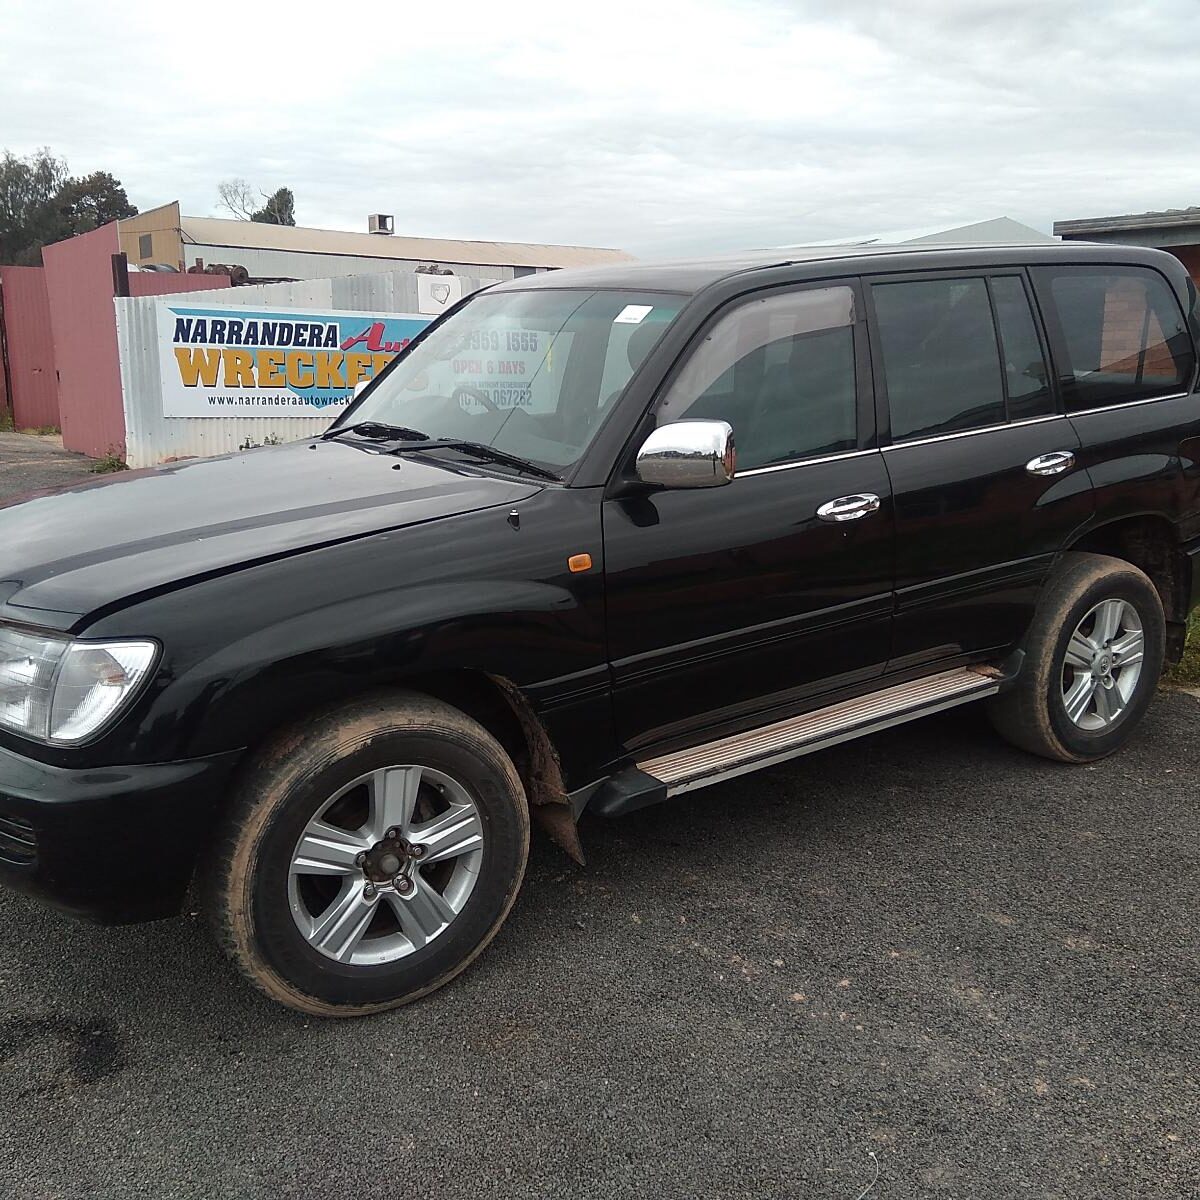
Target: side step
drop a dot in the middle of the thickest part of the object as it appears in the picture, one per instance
(727, 757)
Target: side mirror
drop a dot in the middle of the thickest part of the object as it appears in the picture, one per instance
(688, 454)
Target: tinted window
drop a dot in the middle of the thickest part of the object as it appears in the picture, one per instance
(1123, 335)
(1025, 376)
(780, 370)
(940, 357)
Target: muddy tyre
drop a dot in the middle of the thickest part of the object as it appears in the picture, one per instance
(371, 854)
(1093, 656)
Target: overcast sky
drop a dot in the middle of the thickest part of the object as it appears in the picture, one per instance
(657, 127)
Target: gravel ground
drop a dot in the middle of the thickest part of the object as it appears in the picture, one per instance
(923, 954)
(924, 950)
(29, 463)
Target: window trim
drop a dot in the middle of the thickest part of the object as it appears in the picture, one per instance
(865, 406)
(1056, 338)
(883, 412)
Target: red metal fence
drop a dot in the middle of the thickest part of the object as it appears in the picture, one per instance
(32, 384)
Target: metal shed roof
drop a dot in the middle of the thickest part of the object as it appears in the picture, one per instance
(217, 231)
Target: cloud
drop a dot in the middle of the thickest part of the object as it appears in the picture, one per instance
(663, 128)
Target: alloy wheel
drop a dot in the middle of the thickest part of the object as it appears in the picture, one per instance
(385, 865)
(1103, 664)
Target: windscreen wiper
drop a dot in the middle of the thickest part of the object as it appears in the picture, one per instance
(377, 431)
(484, 453)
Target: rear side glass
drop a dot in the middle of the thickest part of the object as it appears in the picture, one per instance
(1123, 335)
(1025, 374)
(940, 357)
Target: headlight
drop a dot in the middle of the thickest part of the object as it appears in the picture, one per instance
(62, 691)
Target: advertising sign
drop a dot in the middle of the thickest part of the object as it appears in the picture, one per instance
(229, 361)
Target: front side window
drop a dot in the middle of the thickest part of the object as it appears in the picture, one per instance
(530, 373)
(1123, 334)
(780, 369)
(940, 356)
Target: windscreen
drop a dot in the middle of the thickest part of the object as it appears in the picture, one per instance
(531, 373)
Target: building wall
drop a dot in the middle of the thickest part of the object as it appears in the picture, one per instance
(161, 227)
(33, 385)
(1190, 257)
(79, 285)
(299, 264)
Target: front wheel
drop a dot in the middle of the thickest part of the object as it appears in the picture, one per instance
(1092, 660)
(370, 856)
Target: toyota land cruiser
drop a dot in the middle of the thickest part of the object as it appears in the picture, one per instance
(527, 572)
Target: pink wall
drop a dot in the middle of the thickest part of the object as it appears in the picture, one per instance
(80, 289)
(164, 283)
(32, 385)
(79, 283)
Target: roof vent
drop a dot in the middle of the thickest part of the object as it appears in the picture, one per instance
(380, 223)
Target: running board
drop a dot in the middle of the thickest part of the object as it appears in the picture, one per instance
(727, 757)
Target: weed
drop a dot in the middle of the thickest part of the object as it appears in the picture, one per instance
(1187, 670)
(113, 459)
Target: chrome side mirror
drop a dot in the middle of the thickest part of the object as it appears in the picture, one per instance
(687, 454)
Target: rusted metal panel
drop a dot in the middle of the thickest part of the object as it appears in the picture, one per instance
(33, 384)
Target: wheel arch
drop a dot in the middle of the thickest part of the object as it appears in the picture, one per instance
(1149, 542)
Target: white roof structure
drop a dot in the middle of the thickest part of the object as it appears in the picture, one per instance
(998, 231)
(218, 231)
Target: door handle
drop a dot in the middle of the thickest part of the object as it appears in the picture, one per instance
(848, 508)
(1054, 463)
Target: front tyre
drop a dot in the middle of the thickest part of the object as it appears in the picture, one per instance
(1093, 656)
(371, 854)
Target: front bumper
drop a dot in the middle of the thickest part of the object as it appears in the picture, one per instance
(112, 844)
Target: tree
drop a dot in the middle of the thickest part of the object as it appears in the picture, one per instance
(40, 203)
(237, 196)
(92, 201)
(280, 209)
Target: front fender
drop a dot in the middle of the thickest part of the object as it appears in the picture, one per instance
(246, 652)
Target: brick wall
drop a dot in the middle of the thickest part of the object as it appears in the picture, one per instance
(1125, 325)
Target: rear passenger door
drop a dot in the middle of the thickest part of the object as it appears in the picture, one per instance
(1125, 364)
(984, 468)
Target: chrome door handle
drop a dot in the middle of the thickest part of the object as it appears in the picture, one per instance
(1054, 463)
(848, 508)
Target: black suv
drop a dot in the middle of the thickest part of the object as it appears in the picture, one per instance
(526, 573)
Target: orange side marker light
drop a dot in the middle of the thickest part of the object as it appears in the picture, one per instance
(579, 562)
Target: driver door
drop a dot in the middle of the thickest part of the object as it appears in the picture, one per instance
(728, 603)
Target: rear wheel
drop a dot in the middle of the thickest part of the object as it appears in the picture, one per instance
(1092, 660)
(370, 856)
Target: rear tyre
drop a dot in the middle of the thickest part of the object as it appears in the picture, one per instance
(372, 853)
(1093, 656)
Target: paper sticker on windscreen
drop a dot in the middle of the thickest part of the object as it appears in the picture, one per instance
(632, 314)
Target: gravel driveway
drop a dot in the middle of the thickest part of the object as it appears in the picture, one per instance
(29, 463)
(923, 953)
(923, 950)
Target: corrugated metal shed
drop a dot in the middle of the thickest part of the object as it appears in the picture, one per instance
(216, 232)
(151, 438)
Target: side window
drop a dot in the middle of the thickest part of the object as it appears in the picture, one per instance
(940, 357)
(780, 369)
(1026, 379)
(1123, 335)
